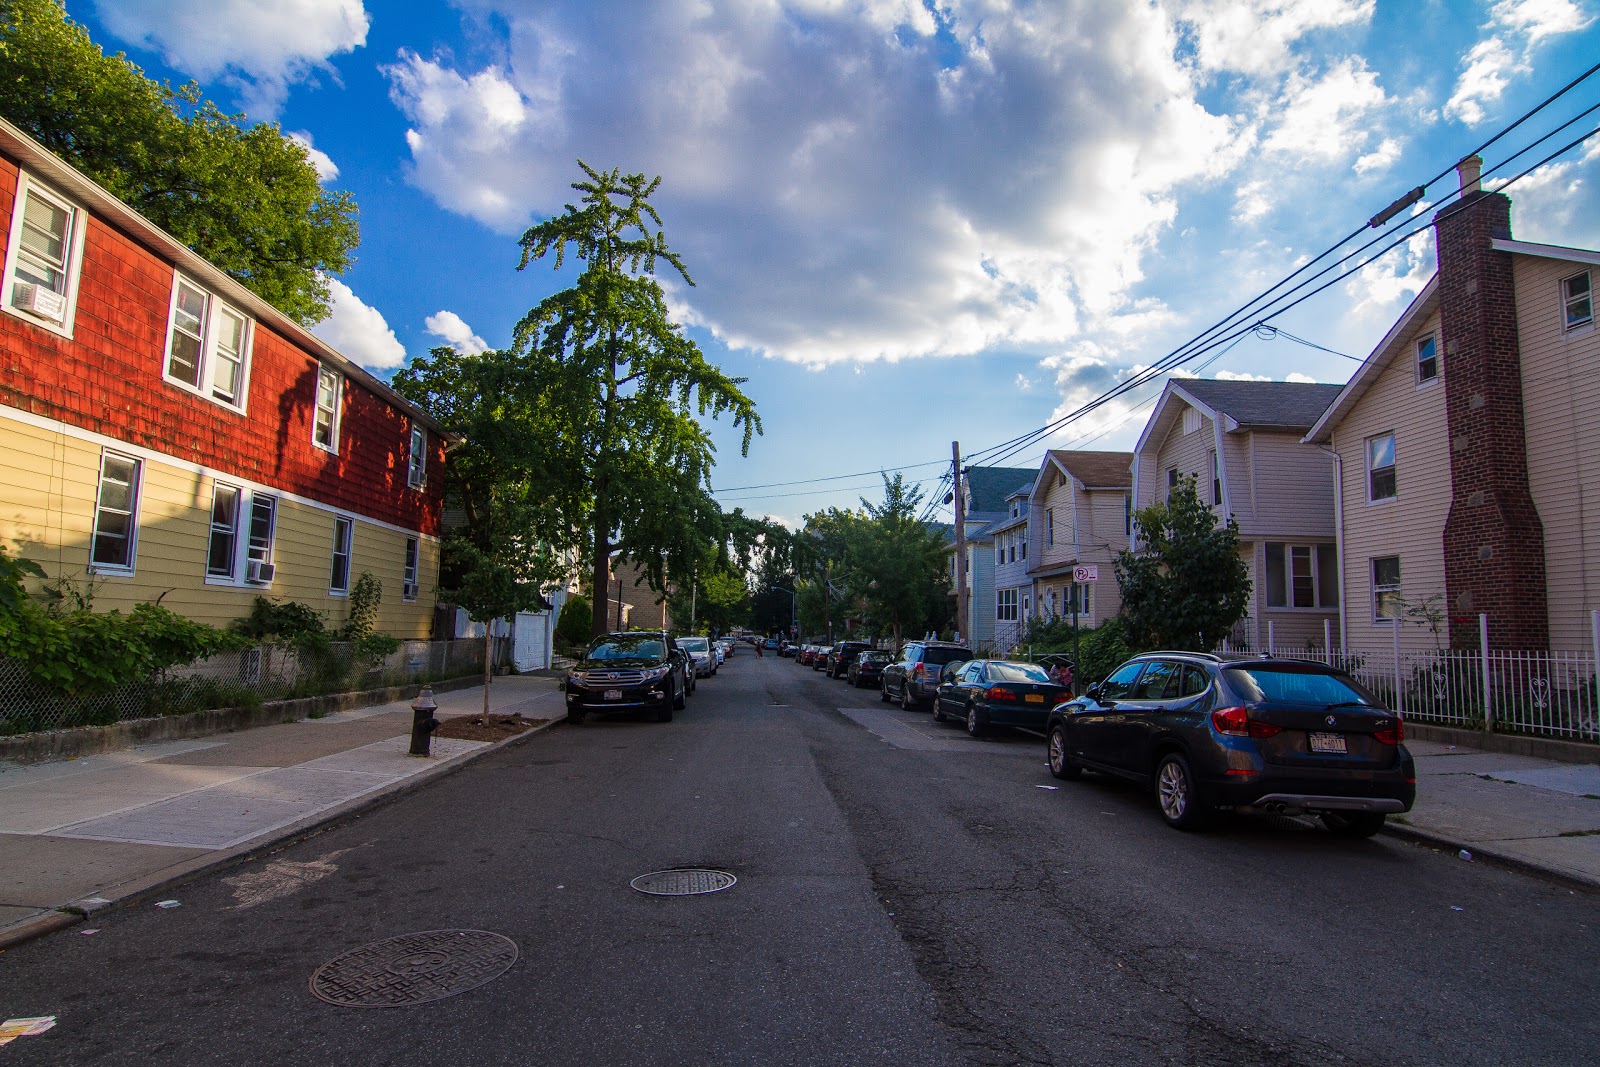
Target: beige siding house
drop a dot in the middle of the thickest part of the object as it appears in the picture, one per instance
(1078, 514)
(1241, 442)
(1468, 448)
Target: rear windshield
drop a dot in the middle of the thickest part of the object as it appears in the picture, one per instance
(875, 657)
(1000, 671)
(693, 644)
(1285, 685)
(941, 656)
(627, 648)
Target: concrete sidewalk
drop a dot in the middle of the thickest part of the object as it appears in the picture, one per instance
(83, 833)
(1527, 812)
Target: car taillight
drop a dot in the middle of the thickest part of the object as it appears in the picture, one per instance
(917, 672)
(994, 692)
(1390, 735)
(1237, 721)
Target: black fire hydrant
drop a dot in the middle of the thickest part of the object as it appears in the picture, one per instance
(423, 724)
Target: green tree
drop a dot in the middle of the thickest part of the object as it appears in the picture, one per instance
(716, 600)
(1186, 586)
(900, 560)
(622, 386)
(244, 197)
(488, 587)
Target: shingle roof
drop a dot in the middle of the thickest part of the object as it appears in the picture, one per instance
(1097, 470)
(989, 486)
(1278, 405)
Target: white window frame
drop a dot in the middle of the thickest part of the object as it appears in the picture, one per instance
(409, 585)
(1049, 526)
(1320, 601)
(247, 502)
(343, 546)
(334, 411)
(1079, 593)
(1431, 342)
(210, 337)
(134, 486)
(1379, 592)
(1005, 605)
(1216, 480)
(1568, 300)
(1393, 465)
(417, 458)
(230, 530)
(72, 259)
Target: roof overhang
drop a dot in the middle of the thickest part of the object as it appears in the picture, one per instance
(1529, 248)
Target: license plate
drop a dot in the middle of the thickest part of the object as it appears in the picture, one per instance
(1034, 698)
(616, 694)
(1328, 743)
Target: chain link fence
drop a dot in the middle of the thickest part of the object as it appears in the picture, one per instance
(232, 679)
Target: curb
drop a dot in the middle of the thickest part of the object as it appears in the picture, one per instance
(135, 892)
(1493, 856)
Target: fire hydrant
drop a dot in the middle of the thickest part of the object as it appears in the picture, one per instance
(423, 724)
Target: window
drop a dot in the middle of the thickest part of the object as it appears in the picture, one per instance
(1006, 605)
(116, 516)
(1427, 360)
(1160, 681)
(44, 256)
(258, 550)
(224, 532)
(1172, 481)
(208, 345)
(1024, 547)
(408, 586)
(1027, 606)
(1117, 686)
(1381, 484)
(1191, 420)
(1127, 514)
(325, 421)
(1050, 526)
(1577, 301)
(1216, 479)
(1302, 576)
(1075, 598)
(339, 577)
(999, 552)
(1011, 548)
(1386, 588)
(417, 469)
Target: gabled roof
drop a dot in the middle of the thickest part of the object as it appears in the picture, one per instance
(989, 487)
(1262, 405)
(1364, 378)
(1096, 470)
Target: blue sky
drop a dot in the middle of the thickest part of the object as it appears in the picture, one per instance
(910, 221)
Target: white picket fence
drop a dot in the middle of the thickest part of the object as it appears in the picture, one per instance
(1547, 694)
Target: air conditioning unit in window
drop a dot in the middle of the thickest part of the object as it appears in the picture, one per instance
(259, 572)
(408, 591)
(37, 300)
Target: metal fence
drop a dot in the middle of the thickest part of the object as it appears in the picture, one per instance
(231, 679)
(1547, 694)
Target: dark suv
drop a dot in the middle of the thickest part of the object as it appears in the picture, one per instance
(913, 678)
(1251, 733)
(841, 655)
(639, 670)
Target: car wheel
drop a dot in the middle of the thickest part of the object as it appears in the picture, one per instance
(1061, 764)
(906, 703)
(883, 690)
(1175, 794)
(938, 712)
(677, 701)
(975, 726)
(1353, 823)
(575, 716)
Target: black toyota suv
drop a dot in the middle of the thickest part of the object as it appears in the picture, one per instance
(639, 670)
(914, 676)
(841, 655)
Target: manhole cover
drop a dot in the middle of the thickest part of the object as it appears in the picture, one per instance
(684, 883)
(413, 968)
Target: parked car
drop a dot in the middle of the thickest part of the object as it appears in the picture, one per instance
(996, 692)
(867, 668)
(913, 678)
(699, 649)
(640, 670)
(842, 654)
(773, 645)
(1251, 733)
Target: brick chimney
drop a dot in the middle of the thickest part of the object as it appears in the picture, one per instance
(1493, 539)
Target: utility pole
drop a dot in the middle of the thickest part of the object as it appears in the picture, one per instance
(961, 546)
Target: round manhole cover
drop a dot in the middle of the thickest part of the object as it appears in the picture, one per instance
(413, 968)
(683, 883)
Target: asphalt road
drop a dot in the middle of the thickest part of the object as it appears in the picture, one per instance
(906, 895)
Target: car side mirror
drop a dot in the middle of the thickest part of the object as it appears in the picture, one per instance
(1093, 693)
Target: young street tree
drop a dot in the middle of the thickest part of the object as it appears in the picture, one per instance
(244, 197)
(621, 386)
(902, 558)
(1187, 586)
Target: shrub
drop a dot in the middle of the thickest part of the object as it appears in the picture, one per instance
(572, 625)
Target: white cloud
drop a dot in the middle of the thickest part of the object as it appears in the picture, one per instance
(455, 332)
(1303, 379)
(1514, 30)
(258, 46)
(1325, 118)
(327, 170)
(359, 330)
(1380, 158)
(1256, 36)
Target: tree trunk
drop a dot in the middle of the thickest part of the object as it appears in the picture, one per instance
(601, 577)
(488, 661)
